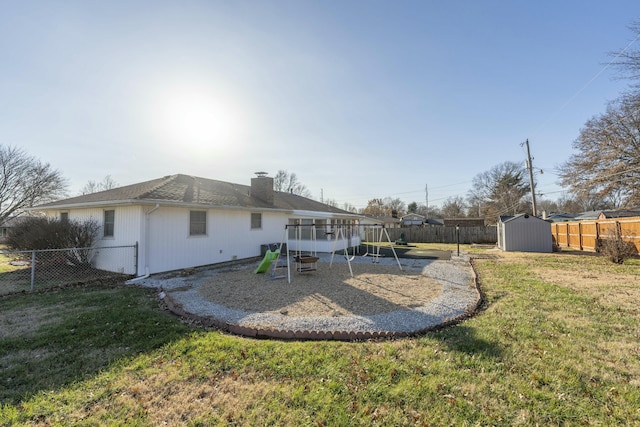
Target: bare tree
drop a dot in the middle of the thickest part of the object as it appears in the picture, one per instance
(499, 191)
(288, 183)
(454, 207)
(396, 204)
(572, 203)
(607, 164)
(349, 207)
(627, 59)
(93, 187)
(375, 207)
(26, 182)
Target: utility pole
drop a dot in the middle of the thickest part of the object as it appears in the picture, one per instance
(426, 201)
(533, 190)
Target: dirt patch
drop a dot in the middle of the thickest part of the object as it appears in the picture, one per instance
(608, 288)
(325, 292)
(26, 321)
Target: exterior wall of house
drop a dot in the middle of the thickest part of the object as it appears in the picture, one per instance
(525, 234)
(126, 232)
(331, 234)
(228, 237)
(165, 244)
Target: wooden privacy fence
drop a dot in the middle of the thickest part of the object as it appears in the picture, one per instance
(434, 234)
(585, 235)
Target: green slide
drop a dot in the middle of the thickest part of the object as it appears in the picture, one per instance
(266, 262)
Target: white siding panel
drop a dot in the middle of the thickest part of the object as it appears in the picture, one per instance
(126, 233)
(229, 237)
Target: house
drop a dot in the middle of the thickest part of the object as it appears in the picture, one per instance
(557, 217)
(8, 224)
(434, 222)
(412, 219)
(386, 221)
(181, 221)
(463, 222)
(524, 233)
(620, 213)
(607, 214)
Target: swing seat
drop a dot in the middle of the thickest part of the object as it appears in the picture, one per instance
(305, 263)
(306, 259)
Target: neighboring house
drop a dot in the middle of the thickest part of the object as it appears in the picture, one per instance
(607, 214)
(434, 221)
(386, 221)
(464, 222)
(558, 217)
(181, 221)
(621, 213)
(412, 219)
(8, 224)
(524, 233)
(587, 216)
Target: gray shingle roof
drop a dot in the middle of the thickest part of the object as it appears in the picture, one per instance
(190, 190)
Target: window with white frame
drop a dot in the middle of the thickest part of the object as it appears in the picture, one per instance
(109, 223)
(197, 223)
(256, 221)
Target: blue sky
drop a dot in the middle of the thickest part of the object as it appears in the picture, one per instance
(360, 99)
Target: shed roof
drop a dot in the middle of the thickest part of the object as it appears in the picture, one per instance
(508, 218)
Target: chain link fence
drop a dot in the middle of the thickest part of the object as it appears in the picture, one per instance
(49, 268)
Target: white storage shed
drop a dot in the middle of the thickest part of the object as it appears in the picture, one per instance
(524, 233)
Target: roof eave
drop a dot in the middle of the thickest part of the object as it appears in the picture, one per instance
(166, 203)
(319, 214)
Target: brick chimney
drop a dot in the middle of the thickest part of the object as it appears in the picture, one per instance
(262, 187)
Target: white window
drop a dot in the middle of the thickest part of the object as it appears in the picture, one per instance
(256, 221)
(197, 223)
(109, 223)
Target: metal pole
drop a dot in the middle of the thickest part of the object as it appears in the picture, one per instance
(458, 237)
(33, 269)
(533, 190)
(135, 255)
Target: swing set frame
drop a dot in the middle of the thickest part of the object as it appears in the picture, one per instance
(307, 261)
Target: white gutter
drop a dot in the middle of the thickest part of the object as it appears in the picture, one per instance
(146, 245)
(316, 214)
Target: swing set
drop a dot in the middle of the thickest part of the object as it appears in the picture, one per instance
(307, 260)
(377, 232)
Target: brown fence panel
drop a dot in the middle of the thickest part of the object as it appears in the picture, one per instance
(573, 235)
(584, 235)
(559, 230)
(589, 236)
(467, 235)
(630, 231)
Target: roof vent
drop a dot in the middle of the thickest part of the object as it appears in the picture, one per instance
(261, 174)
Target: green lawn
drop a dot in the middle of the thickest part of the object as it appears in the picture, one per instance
(556, 344)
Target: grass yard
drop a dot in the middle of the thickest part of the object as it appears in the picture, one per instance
(558, 343)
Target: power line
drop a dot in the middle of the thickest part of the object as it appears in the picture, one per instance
(583, 88)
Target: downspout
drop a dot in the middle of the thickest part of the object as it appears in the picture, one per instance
(146, 246)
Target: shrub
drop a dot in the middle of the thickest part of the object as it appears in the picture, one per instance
(615, 248)
(47, 233)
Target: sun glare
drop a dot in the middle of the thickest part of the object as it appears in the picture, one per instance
(197, 120)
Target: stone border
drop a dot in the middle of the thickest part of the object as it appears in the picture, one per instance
(308, 334)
